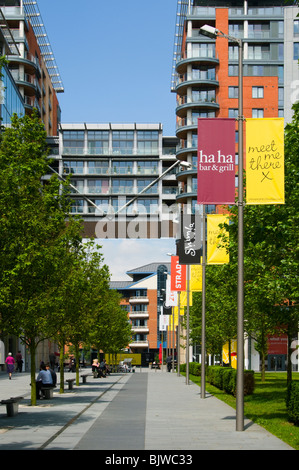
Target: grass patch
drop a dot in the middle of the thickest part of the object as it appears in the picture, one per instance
(266, 407)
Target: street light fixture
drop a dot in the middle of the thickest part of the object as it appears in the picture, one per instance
(212, 32)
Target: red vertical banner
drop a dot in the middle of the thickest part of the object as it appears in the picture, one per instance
(216, 161)
(178, 275)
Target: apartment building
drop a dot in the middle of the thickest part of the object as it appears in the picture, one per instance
(205, 71)
(119, 172)
(142, 298)
(32, 67)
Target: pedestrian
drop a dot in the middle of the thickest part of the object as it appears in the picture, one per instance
(44, 379)
(53, 374)
(19, 360)
(52, 358)
(10, 364)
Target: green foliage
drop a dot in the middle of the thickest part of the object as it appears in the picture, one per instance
(225, 378)
(292, 402)
(271, 254)
(195, 369)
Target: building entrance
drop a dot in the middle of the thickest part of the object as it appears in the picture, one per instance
(276, 362)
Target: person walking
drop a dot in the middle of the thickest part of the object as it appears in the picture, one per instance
(10, 365)
(19, 360)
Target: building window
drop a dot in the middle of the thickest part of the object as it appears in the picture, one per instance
(257, 92)
(259, 30)
(259, 52)
(147, 206)
(203, 50)
(147, 167)
(73, 142)
(100, 186)
(98, 167)
(77, 206)
(122, 167)
(77, 186)
(257, 113)
(122, 186)
(143, 183)
(98, 142)
(101, 207)
(73, 167)
(198, 94)
(147, 142)
(296, 50)
(233, 113)
(296, 28)
(233, 52)
(203, 73)
(233, 92)
(123, 142)
(233, 70)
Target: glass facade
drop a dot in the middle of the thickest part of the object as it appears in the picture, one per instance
(10, 98)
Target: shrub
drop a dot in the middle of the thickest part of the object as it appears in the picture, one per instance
(225, 378)
(195, 368)
(292, 402)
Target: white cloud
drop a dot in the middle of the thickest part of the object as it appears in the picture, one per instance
(122, 255)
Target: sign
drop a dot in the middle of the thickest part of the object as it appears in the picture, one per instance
(189, 245)
(216, 161)
(216, 254)
(196, 278)
(278, 344)
(171, 296)
(163, 322)
(265, 161)
(178, 275)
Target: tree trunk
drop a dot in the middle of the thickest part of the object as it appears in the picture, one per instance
(32, 349)
(77, 363)
(61, 361)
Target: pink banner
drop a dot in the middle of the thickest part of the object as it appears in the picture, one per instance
(216, 161)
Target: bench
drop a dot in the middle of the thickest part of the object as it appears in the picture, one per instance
(84, 377)
(70, 383)
(12, 405)
(48, 392)
(155, 366)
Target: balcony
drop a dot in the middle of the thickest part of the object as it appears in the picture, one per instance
(139, 300)
(138, 315)
(142, 330)
(139, 344)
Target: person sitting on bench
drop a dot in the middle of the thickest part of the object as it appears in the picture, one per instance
(44, 379)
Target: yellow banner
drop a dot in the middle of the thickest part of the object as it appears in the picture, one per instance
(196, 277)
(183, 299)
(215, 255)
(265, 161)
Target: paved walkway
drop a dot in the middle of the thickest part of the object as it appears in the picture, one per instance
(147, 410)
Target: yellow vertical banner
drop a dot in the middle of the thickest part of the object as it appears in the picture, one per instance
(265, 161)
(215, 253)
(196, 277)
(183, 301)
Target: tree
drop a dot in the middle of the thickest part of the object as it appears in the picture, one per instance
(34, 236)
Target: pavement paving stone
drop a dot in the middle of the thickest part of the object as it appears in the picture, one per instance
(145, 411)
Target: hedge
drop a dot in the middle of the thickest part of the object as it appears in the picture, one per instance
(224, 378)
(292, 402)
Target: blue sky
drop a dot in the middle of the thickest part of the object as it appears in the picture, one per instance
(115, 61)
(114, 58)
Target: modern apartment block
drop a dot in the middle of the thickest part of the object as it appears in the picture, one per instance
(31, 65)
(119, 172)
(142, 298)
(205, 71)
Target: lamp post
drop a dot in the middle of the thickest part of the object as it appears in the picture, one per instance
(212, 32)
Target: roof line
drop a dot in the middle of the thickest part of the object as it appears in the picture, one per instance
(34, 17)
